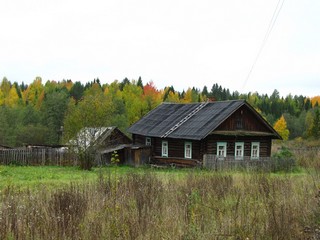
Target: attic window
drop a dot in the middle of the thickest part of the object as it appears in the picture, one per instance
(239, 123)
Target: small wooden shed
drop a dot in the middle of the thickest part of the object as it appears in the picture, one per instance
(104, 141)
(4, 147)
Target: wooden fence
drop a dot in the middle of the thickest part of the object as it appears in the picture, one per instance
(47, 156)
(41, 156)
(56, 157)
(211, 161)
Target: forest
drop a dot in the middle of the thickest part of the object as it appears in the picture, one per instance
(53, 112)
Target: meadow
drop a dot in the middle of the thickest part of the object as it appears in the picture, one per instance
(122, 202)
(129, 203)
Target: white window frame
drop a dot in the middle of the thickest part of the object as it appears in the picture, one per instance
(188, 150)
(236, 155)
(224, 145)
(253, 154)
(164, 149)
(148, 141)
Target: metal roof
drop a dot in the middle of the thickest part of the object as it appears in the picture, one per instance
(159, 121)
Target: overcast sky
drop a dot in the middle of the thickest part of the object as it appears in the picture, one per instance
(181, 43)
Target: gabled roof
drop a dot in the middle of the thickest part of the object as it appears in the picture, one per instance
(90, 136)
(192, 121)
(5, 147)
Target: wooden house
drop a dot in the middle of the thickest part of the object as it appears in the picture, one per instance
(187, 134)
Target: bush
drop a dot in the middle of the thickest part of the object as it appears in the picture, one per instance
(86, 160)
(283, 160)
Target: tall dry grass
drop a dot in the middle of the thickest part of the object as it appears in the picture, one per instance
(204, 205)
(306, 152)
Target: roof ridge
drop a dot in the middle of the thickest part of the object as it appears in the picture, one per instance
(197, 103)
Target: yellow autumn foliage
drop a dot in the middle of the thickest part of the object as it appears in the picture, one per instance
(315, 100)
(13, 98)
(281, 127)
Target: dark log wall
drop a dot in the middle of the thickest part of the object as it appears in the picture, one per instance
(175, 146)
(116, 138)
(139, 139)
(206, 146)
(243, 119)
(210, 144)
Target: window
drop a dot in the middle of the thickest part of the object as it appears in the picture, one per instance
(238, 150)
(221, 149)
(164, 152)
(255, 149)
(188, 150)
(239, 124)
(148, 141)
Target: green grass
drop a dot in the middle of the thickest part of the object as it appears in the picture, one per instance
(54, 176)
(34, 176)
(51, 176)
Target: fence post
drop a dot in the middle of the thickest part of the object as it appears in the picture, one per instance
(204, 161)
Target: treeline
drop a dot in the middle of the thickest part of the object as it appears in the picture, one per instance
(53, 112)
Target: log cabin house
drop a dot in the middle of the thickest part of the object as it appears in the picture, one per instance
(186, 134)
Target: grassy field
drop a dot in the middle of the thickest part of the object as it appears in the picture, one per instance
(30, 177)
(144, 203)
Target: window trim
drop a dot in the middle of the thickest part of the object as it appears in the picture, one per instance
(148, 141)
(258, 150)
(236, 157)
(164, 145)
(185, 150)
(224, 144)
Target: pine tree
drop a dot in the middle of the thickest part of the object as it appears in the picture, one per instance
(316, 124)
(139, 83)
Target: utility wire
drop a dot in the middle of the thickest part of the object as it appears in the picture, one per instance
(270, 27)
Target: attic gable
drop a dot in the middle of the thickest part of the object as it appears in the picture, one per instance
(246, 121)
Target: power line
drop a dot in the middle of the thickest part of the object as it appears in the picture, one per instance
(270, 27)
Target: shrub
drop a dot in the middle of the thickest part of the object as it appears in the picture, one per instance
(283, 160)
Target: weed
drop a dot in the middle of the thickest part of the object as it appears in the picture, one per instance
(165, 205)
